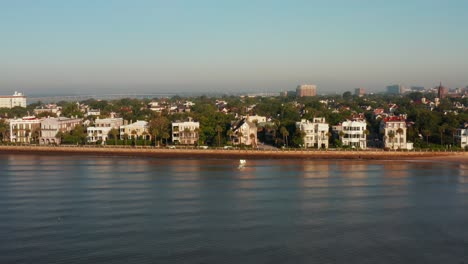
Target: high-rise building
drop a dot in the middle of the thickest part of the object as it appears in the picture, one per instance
(10, 101)
(417, 89)
(395, 89)
(360, 92)
(306, 90)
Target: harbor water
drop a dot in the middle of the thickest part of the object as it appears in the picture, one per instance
(89, 209)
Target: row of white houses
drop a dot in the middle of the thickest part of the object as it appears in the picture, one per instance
(354, 133)
(316, 133)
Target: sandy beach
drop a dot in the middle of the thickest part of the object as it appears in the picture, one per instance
(236, 154)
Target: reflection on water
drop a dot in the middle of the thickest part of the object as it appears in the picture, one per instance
(75, 209)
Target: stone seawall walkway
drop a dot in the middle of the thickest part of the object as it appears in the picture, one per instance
(234, 153)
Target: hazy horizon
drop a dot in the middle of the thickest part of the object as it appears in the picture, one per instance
(89, 47)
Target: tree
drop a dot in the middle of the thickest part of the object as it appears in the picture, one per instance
(298, 138)
(157, 127)
(60, 135)
(347, 96)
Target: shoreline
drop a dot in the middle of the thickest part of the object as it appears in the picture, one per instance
(237, 154)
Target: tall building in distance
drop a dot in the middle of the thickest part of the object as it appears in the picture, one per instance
(359, 92)
(395, 89)
(10, 101)
(417, 89)
(442, 91)
(306, 90)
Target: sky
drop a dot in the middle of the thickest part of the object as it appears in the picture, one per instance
(151, 46)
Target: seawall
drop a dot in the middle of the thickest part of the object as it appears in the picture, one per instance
(232, 153)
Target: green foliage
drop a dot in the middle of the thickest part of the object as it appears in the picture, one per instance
(75, 136)
(13, 112)
(159, 128)
(4, 129)
(71, 109)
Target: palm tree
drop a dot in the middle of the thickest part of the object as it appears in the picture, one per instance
(113, 133)
(341, 134)
(366, 133)
(185, 135)
(144, 135)
(427, 133)
(400, 131)
(154, 134)
(3, 128)
(36, 133)
(197, 134)
(453, 131)
(230, 133)
(219, 129)
(252, 138)
(441, 132)
(165, 135)
(125, 138)
(239, 136)
(285, 134)
(391, 136)
(15, 133)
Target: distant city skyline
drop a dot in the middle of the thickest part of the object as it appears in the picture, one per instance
(142, 46)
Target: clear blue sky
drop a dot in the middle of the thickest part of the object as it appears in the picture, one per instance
(83, 46)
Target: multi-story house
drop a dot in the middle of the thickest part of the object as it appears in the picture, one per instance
(24, 130)
(138, 129)
(316, 133)
(462, 137)
(185, 133)
(394, 133)
(256, 119)
(244, 132)
(52, 125)
(102, 127)
(352, 133)
(93, 112)
(49, 109)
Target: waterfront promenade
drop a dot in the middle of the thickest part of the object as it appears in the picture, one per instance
(235, 153)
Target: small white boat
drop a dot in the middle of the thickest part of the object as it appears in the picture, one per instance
(242, 162)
